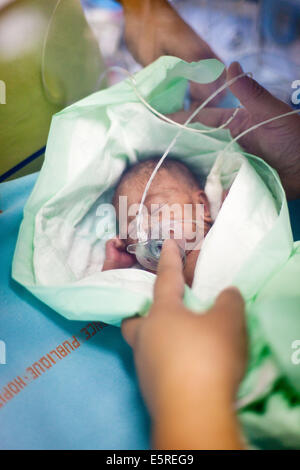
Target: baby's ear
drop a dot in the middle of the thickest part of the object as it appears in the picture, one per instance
(200, 197)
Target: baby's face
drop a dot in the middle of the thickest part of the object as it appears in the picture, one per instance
(167, 191)
(166, 200)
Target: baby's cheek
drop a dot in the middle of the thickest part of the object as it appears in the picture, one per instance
(190, 266)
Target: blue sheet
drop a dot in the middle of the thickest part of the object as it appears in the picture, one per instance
(81, 398)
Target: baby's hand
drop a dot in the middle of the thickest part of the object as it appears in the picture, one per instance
(116, 256)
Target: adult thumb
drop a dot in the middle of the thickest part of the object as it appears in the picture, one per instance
(254, 97)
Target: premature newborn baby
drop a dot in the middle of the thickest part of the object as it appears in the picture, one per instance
(174, 184)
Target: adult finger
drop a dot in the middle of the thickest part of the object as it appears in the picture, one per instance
(230, 299)
(169, 285)
(229, 309)
(254, 97)
(214, 117)
(129, 329)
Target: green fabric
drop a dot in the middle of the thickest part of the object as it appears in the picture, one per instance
(60, 248)
(49, 58)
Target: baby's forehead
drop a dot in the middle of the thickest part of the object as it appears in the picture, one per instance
(172, 177)
(163, 186)
(163, 178)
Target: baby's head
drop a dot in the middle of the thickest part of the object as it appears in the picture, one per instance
(174, 186)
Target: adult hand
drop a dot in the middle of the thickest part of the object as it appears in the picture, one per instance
(278, 142)
(189, 365)
(154, 28)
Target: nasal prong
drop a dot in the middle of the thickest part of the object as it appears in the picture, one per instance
(132, 249)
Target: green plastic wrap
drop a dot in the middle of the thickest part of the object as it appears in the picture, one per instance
(60, 249)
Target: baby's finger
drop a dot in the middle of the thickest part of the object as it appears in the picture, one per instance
(110, 245)
(169, 285)
(119, 243)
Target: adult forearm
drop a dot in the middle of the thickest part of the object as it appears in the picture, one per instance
(205, 421)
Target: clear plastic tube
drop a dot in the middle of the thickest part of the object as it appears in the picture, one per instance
(173, 142)
(242, 134)
(166, 118)
(46, 88)
(181, 127)
(185, 126)
(256, 126)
